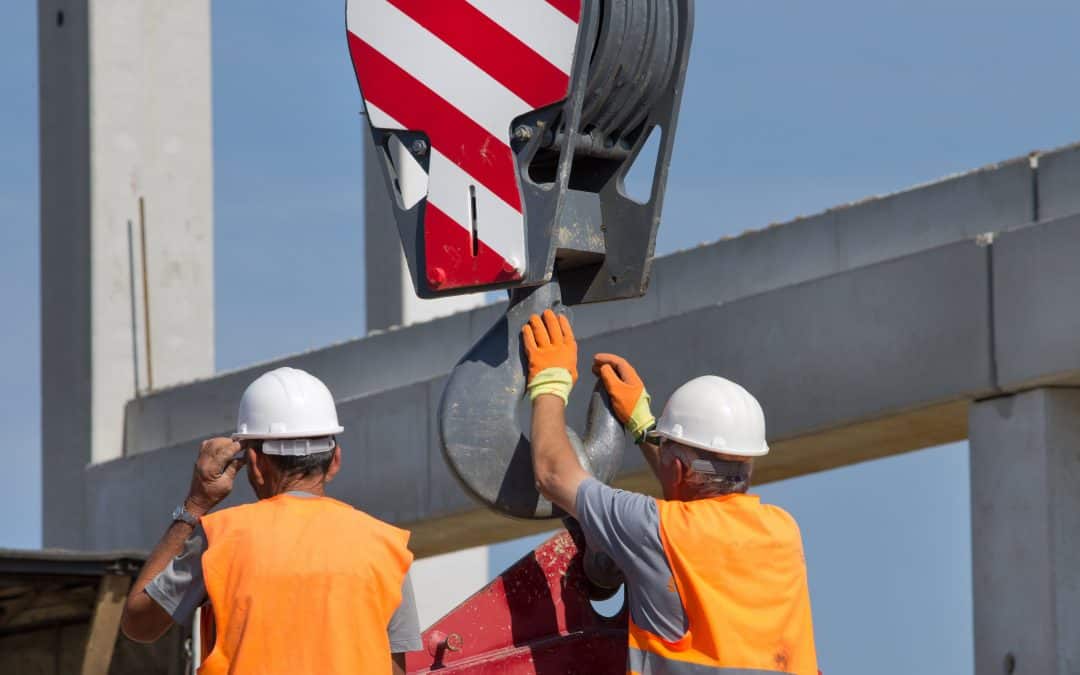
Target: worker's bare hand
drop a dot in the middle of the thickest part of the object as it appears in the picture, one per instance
(215, 470)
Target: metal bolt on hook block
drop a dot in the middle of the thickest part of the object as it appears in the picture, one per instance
(419, 147)
(454, 642)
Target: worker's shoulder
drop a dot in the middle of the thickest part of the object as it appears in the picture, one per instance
(781, 517)
(777, 511)
(594, 489)
(230, 522)
(361, 515)
(742, 506)
(347, 522)
(366, 520)
(327, 506)
(228, 514)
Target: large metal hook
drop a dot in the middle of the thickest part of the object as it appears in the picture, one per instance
(479, 427)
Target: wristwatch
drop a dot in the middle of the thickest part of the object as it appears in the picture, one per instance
(182, 514)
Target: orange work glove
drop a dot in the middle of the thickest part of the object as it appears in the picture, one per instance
(627, 392)
(552, 353)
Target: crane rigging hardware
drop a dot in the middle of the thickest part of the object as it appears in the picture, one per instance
(479, 432)
(506, 130)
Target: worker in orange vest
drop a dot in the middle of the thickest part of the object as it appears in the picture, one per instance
(298, 582)
(716, 580)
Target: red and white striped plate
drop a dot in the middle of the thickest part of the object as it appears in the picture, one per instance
(461, 71)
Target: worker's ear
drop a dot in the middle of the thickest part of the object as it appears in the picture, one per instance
(671, 473)
(335, 464)
(255, 474)
(679, 471)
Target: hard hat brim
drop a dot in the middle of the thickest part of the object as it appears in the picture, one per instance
(316, 433)
(702, 446)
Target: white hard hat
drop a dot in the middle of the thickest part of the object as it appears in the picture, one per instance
(288, 403)
(717, 415)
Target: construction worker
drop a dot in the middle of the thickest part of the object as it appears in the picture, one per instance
(298, 582)
(716, 580)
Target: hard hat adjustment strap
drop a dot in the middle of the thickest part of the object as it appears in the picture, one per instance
(298, 447)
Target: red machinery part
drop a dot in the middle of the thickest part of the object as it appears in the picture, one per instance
(504, 131)
(461, 72)
(536, 617)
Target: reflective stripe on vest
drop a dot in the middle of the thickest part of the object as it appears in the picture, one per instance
(739, 570)
(301, 585)
(644, 663)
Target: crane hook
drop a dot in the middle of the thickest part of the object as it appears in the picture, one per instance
(479, 429)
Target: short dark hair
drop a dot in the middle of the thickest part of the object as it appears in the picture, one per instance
(298, 466)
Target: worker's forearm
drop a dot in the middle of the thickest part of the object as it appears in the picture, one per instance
(555, 464)
(651, 453)
(170, 546)
(144, 620)
(550, 444)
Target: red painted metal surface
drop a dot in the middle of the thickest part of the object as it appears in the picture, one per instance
(461, 73)
(536, 617)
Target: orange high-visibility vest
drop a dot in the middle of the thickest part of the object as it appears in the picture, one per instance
(739, 569)
(301, 585)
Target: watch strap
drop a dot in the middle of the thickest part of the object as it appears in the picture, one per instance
(183, 515)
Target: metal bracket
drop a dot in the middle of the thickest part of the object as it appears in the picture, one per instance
(627, 82)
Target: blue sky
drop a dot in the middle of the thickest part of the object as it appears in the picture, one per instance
(790, 108)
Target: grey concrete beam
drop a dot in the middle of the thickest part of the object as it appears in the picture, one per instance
(852, 236)
(898, 335)
(1036, 287)
(1059, 182)
(990, 199)
(1025, 513)
(380, 361)
(887, 354)
(866, 331)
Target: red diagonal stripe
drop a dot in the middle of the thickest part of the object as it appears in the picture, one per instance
(463, 141)
(571, 8)
(449, 262)
(491, 47)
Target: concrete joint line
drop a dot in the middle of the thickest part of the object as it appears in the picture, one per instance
(991, 329)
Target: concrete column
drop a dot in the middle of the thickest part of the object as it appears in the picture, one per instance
(1025, 492)
(125, 151)
(390, 298)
